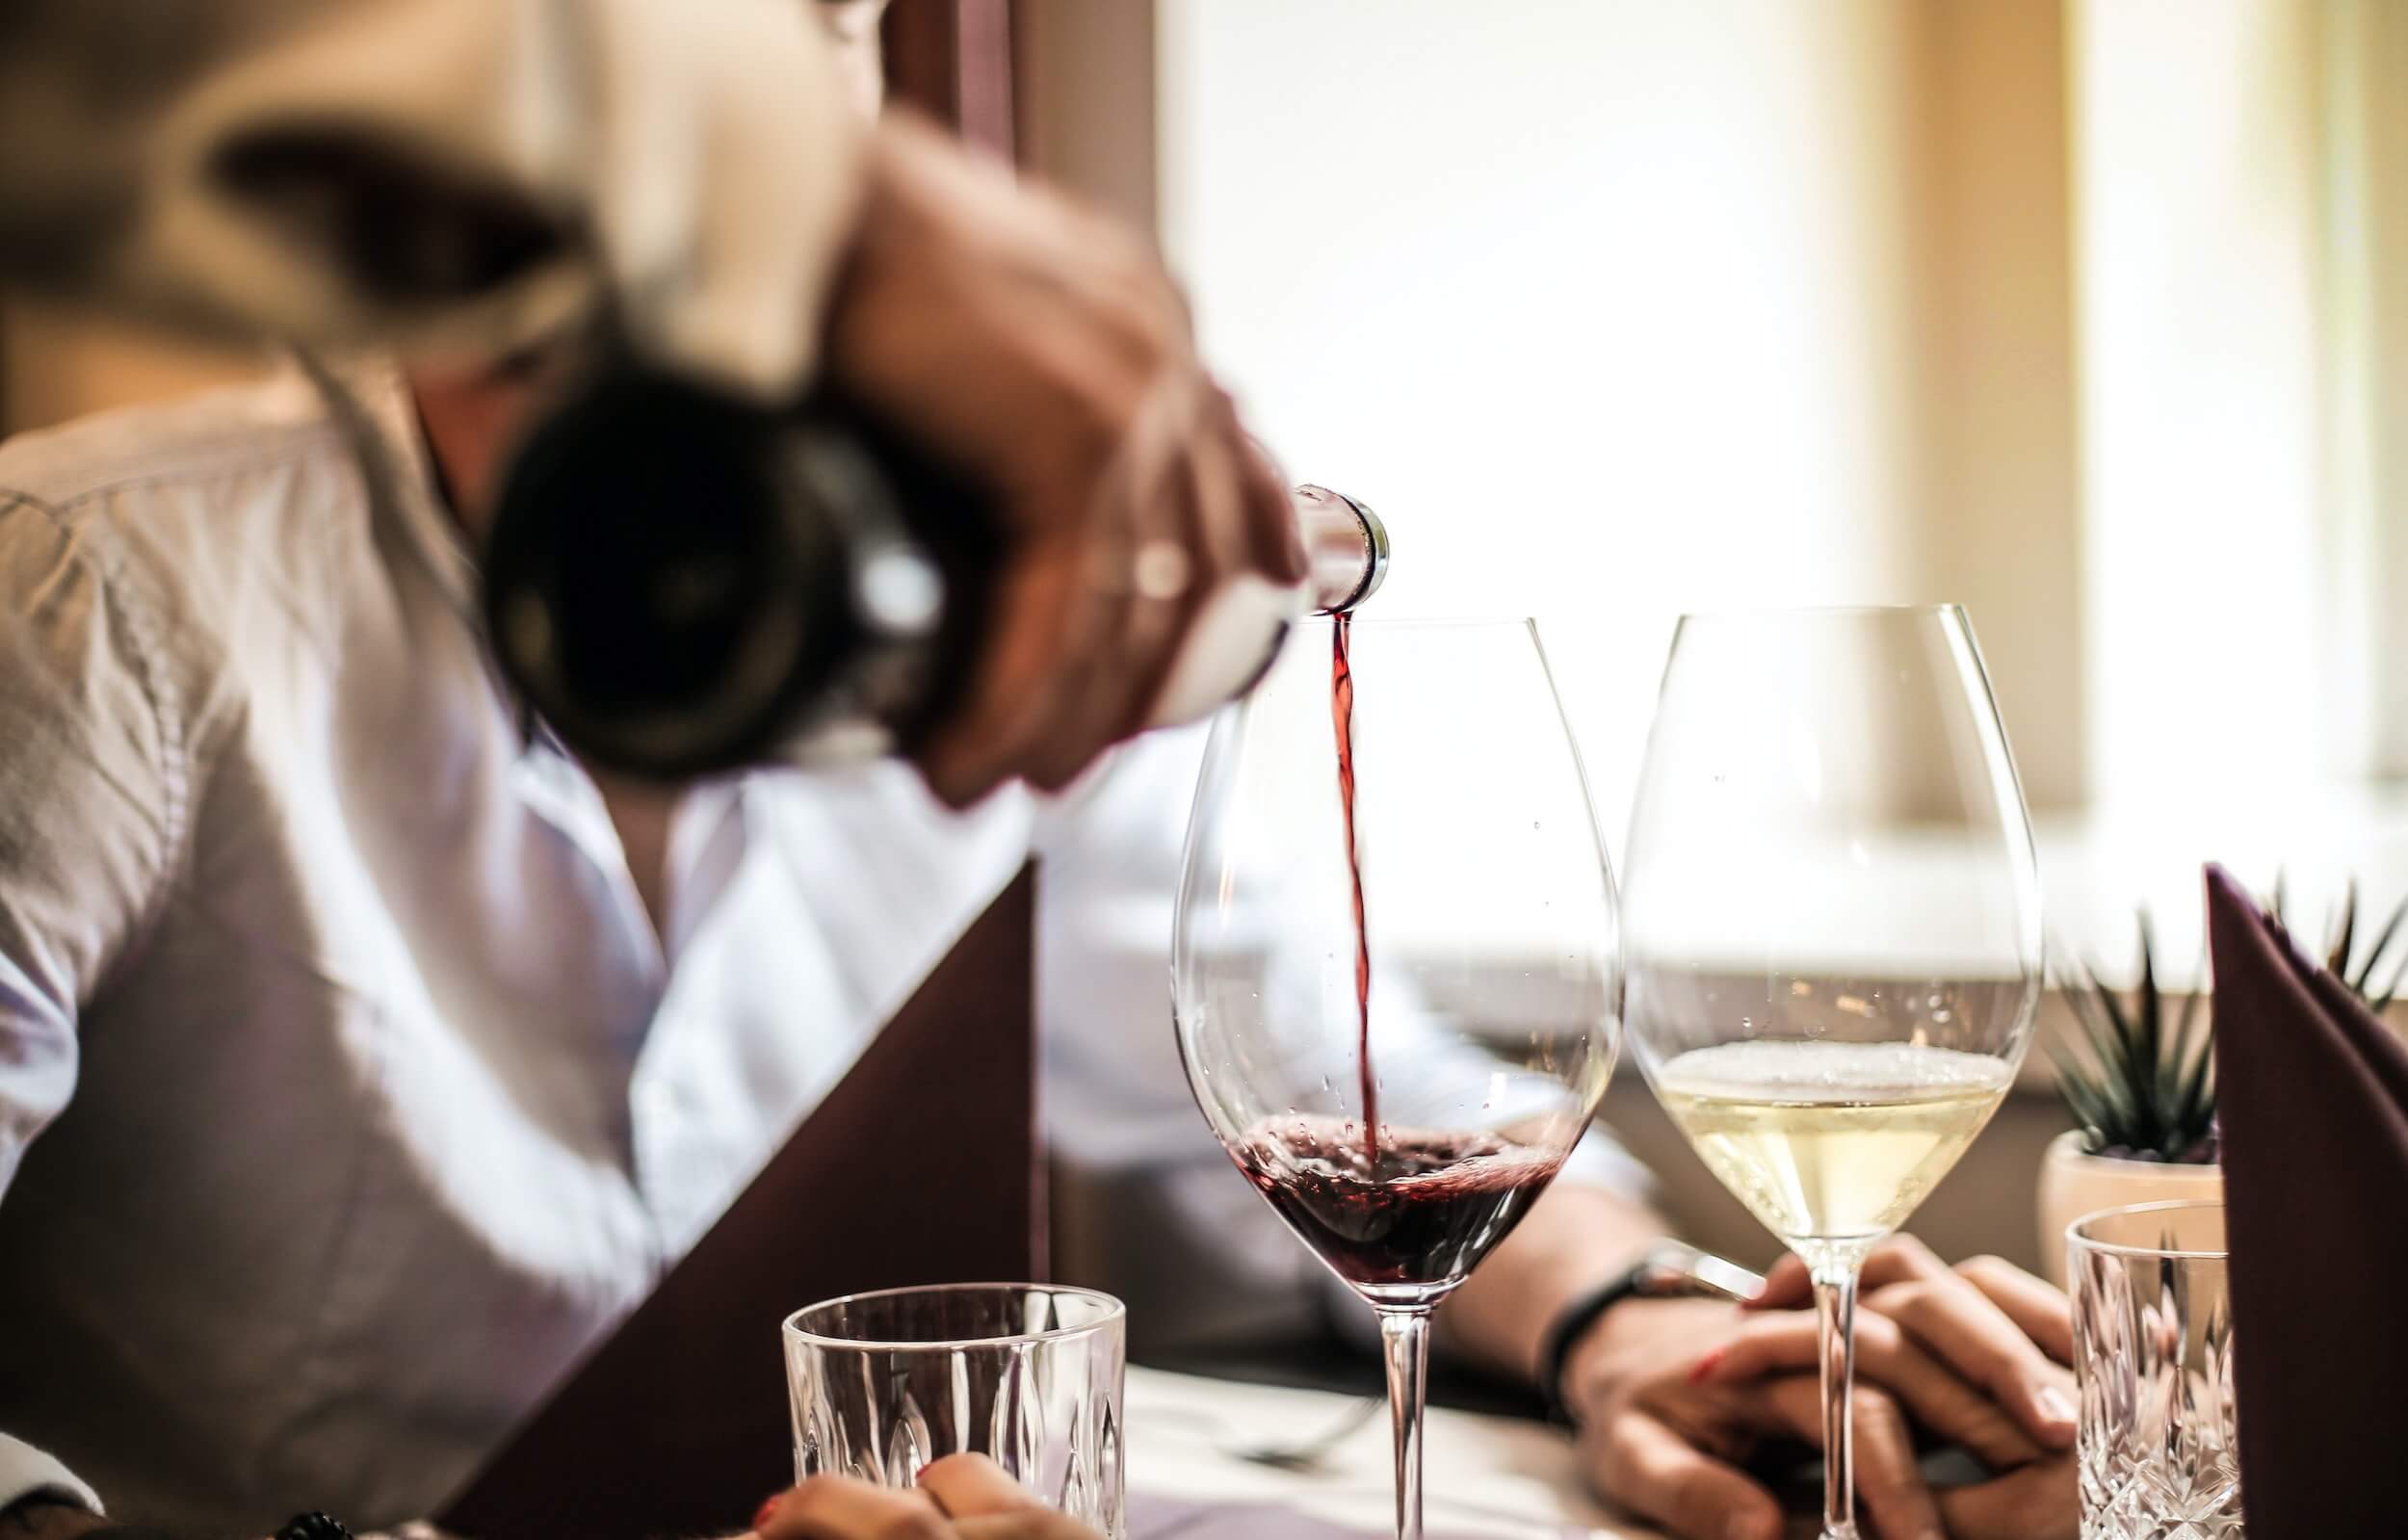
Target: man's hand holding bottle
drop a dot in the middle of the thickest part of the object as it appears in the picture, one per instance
(1043, 350)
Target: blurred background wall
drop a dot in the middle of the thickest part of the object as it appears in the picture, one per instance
(2086, 314)
(2083, 314)
(56, 364)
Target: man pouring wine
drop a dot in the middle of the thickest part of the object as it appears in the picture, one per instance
(280, 872)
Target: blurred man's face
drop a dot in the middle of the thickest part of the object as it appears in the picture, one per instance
(853, 24)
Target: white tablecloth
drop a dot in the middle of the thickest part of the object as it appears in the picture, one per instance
(1483, 1475)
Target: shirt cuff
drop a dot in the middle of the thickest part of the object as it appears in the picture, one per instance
(26, 1471)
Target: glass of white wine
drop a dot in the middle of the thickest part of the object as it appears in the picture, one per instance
(1831, 930)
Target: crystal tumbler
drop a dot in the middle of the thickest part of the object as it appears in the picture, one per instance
(2153, 1350)
(1029, 1375)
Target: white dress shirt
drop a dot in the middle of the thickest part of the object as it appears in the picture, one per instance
(347, 1090)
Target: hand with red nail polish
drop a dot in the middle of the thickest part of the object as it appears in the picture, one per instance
(1679, 1401)
(1996, 1325)
(1657, 1438)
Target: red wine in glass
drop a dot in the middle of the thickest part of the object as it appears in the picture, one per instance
(1417, 1210)
(1422, 1213)
(1485, 843)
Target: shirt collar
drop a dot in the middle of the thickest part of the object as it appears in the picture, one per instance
(369, 393)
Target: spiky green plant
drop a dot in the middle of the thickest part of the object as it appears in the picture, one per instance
(2136, 1088)
(2144, 1091)
(2356, 973)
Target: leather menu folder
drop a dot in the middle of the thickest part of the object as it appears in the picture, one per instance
(921, 1166)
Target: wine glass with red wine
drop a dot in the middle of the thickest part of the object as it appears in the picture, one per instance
(1395, 966)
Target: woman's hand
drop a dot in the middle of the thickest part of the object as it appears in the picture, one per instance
(1998, 1328)
(962, 1497)
(1668, 1431)
(1674, 1398)
(1996, 1325)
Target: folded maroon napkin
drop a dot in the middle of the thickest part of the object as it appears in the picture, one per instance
(919, 1167)
(2312, 1104)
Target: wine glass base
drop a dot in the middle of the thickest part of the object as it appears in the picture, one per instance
(1844, 1532)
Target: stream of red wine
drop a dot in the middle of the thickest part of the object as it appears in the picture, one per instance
(1342, 718)
(1414, 1209)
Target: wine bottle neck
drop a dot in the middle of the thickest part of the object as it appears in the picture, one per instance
(1345, 549)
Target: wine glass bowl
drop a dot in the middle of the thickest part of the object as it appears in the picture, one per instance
(1832, 927)
(1403, 1089)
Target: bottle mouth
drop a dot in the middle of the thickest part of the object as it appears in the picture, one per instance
(1346, 548)
(1375, 538)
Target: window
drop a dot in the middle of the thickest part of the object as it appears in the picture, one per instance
(2092, 316)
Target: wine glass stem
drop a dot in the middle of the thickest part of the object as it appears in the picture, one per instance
(1404, 1334)
(1835, 1306)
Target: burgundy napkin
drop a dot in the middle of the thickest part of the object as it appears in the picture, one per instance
(2313, 1099)
(921, 1166)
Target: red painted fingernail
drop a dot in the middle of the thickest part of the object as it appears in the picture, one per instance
(761, 1519)
(1706, 1367)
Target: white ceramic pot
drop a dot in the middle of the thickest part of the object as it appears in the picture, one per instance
(2073, 1184)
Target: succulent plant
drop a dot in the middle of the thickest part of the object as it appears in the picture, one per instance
(2356, 973)
(2144, 1089)
(2139, 1088)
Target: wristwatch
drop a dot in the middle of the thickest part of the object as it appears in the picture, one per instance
(1671, 1269)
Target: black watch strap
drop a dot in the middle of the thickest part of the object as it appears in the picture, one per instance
(1570, 1326)
(1669, 1270)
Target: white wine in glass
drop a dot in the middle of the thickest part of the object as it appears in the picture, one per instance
(1831, 930)
(1832, 1145)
